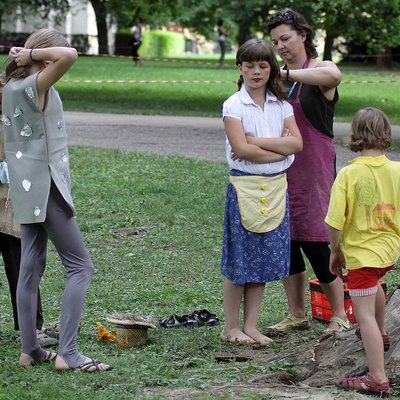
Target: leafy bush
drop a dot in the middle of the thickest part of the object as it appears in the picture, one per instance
(162, 44)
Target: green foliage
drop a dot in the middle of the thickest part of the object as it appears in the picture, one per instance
(58, 9)
(361, 21)
(162, 44)
(155, 13)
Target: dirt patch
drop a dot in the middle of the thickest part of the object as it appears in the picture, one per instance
(131, 232)
(240, 391)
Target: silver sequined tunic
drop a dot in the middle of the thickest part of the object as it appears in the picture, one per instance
(36, 149)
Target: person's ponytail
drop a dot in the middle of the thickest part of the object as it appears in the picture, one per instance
(13, 71)
(240, 82)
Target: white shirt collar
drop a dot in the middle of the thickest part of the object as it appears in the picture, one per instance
(246, 98)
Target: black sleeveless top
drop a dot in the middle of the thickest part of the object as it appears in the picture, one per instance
(317, 108)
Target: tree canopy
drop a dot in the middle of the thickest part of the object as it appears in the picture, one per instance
(27, 7)
(376, 27)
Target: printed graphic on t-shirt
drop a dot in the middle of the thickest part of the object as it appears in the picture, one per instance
(382, 216)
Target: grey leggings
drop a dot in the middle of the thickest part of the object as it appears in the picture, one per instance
(61, 227)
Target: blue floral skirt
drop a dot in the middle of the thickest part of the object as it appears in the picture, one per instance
(249, 256)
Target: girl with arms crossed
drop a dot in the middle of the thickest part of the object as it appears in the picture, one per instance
(261, 137)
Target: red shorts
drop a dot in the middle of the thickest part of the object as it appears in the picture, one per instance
(364, 281)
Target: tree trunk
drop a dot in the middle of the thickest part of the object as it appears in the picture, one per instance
(338, 354)
(385, 60)
(99, 7)
(328, 46)
(244, 32)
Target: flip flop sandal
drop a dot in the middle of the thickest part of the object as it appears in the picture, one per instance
(343, 325)
(292, 323)
(175, 321)
(85, 367)
(53, 330)
(189, 321)
(50, 356)
(203, 317)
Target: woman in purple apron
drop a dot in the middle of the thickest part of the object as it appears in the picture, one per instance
(312, 86)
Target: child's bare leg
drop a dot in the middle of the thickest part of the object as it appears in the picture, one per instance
(253, 293)
(380, 309)
(232, 300)
(365, 309)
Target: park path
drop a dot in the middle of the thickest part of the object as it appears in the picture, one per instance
(193, 137)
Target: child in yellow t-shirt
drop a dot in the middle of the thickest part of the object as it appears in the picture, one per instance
(363, 213)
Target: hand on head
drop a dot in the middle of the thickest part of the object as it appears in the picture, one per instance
(22, 56)
(14, 51)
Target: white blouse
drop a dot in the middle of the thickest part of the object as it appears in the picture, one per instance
(256, 122)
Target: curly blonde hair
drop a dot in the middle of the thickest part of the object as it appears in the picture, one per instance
(370, 129)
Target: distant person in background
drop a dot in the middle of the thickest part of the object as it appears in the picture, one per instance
(137, 41)
(221, 39)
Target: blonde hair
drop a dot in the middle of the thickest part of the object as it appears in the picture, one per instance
(2, 79)
(40, 39)
(2, 83)
(370, 129)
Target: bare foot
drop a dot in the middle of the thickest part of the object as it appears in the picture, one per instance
(89, 365)
(333, 325)
(258, 337)
(236, 336)
(26, 359)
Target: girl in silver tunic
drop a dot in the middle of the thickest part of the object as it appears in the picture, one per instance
(38, 161)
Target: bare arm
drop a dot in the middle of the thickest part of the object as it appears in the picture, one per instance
(286, 145)
(324, 73)
(225, 32)
(57, 61)
(337, 261)
(61, 60)
(243, 150)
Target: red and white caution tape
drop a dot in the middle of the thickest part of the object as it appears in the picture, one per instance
(157, 81)
(150, 81)
(391, 81)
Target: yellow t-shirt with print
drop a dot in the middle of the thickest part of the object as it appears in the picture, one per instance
(365, 205)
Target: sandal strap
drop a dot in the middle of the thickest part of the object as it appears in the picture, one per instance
(342, 323)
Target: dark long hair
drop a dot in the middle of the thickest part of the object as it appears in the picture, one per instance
(261, 50)
(299, 24)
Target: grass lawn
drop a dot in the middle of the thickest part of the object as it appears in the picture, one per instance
(153, 226)
(200, 99)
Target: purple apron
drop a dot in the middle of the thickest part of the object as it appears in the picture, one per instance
(310, 178)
